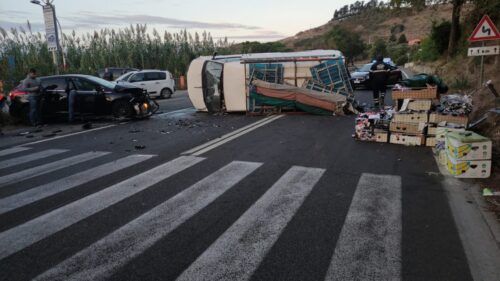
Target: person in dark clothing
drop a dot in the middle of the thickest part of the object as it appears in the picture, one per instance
(71, 102)
(107, 75)
(379, 74)
(32, 85)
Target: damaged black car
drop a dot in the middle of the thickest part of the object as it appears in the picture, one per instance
(94, 97)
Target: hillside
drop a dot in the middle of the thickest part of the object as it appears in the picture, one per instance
(376, 24)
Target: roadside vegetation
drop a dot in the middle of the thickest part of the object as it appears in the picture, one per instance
(134, 46)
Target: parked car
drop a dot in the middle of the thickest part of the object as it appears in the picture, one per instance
(361, 76)
(157, 82)
(95, 96)
(115, 71)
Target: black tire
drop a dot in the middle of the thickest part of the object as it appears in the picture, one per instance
(166, 93)
(122, 109)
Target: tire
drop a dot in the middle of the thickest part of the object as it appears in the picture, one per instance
(166, 93)
(122, 109)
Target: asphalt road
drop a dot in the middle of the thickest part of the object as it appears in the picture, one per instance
(285, 198)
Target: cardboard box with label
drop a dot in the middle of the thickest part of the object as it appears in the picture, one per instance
(468, 146)
(480, 169)
(437, 118)
(408, 140)
(408, 128)
(414, 117)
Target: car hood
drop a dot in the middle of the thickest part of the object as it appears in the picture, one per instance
(359, 74)
(125, 87)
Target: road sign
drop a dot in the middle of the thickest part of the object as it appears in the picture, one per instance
(485, 30)
(51, 35)
(484, 51)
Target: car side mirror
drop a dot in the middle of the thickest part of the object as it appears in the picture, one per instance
(98, 88)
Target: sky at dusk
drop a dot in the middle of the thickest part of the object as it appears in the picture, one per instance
(261, 20)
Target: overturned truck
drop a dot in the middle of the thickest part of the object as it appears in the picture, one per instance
(313, 81)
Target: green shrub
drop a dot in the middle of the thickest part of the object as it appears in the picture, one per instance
(379, 47)
(427, 51)
(398, 53)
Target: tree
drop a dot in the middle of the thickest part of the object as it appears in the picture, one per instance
(392, 38)
(440, 35)
(455, 26)
(350, 43)
(402, 39)
(379, 47)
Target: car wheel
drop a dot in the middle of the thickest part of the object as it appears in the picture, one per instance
(166, 93)
(122, 109)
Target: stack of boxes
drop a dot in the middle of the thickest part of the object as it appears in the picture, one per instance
(468, 155)
(408, 126)
(372, 126)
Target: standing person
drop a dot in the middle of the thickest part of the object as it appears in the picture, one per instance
(71, 101)
(32, 85)
(379, 74)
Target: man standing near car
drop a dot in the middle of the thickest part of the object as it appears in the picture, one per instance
(71, 101)
(379, 74)
(32, 85)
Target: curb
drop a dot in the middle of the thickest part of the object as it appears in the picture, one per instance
(488, 216)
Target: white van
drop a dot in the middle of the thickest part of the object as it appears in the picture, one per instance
(157, 82)
(221, 82)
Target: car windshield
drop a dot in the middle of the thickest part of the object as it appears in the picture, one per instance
(125, 76)
(366, 68)
(102, 82)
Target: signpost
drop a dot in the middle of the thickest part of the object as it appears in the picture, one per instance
(484, 51)
(51, 32)
(484, 31)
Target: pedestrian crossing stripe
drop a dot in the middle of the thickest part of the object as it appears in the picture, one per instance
(99, 261)
(233, 255)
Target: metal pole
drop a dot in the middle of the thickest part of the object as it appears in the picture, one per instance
(482, 70)
(54, 59)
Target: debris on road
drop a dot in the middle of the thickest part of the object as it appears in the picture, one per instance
(51, 135)
(140, 147)
(490, 193)
(87, 126)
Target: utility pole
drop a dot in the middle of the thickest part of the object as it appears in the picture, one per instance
(51, 29)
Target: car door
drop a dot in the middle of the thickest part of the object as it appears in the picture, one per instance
(138, 79)
(153, 82)
(86, 95)
(56, 97)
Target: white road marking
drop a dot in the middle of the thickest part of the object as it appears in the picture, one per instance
(369, 245)
(70, 135)
(184, 110)
(238, 252)
(30, 157)
(232, 136)
(50, 167)
(13, 150)
(32, 195)
(240, 130)
(104, 257)
(22, 236)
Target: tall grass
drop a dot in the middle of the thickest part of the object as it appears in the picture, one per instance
(132, 46)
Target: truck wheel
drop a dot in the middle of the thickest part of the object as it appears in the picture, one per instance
(166, 93)
(122, 109)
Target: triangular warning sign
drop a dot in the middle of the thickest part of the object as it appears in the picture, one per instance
(485, 30)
